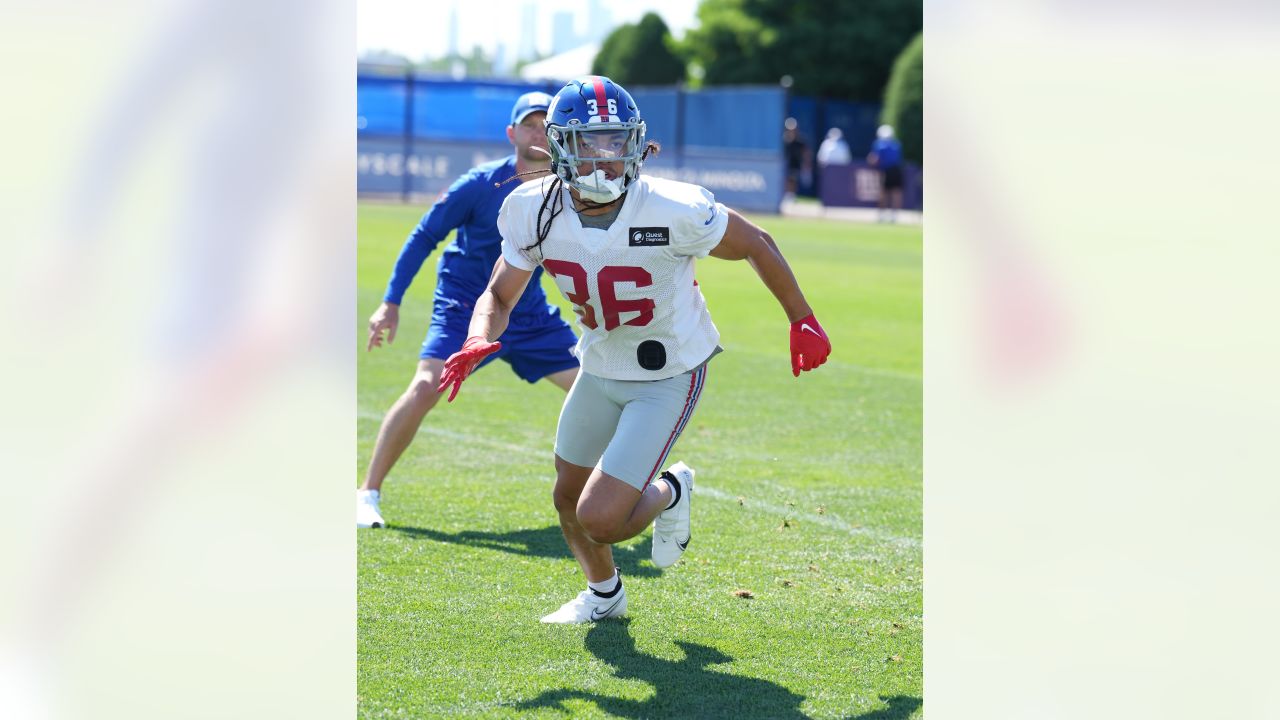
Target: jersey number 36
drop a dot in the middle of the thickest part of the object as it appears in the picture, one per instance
(610, 306)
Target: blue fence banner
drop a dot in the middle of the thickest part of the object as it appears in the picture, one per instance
(740, 181)
(383, 167)
(858, 185)
(415, 135)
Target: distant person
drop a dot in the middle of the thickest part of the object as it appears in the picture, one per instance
(834, 150)
(886, 157)
(536, 343)
(799, 167)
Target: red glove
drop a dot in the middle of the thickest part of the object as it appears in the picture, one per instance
(809, 345)
(460, 364)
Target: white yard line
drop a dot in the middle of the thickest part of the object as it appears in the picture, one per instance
(701, 489)
(437, 431)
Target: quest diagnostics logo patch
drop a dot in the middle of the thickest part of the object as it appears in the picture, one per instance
(650, 236)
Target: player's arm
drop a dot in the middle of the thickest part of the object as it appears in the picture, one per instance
(385, 319)
(493, 307)
(488, 321)
(744, 240)
(450, 211)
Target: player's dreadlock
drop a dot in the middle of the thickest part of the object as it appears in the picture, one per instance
(555, 199)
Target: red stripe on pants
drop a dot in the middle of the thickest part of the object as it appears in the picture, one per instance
(693, 384)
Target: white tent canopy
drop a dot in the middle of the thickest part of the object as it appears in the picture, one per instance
(563, 67)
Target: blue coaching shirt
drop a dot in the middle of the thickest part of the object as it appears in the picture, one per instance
(888, 152)
(471, 206)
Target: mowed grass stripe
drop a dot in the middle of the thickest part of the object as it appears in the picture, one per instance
(786, 511)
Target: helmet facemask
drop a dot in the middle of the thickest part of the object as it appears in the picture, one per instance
(585, 154)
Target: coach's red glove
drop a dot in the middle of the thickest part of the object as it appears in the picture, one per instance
(460, 364)
(809, 345)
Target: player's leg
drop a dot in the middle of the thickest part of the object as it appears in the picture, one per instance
(883, 201)
(398, 429)
(586, 426)
(605, 596)
(652, 422)
(403, 420)
(400, 425)
(893, 184)
(611, 510)
(596, 559)
(563, 379)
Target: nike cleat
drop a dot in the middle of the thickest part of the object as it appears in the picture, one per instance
(671, 533)
(589, 607)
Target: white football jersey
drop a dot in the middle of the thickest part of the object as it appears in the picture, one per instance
(640, 312)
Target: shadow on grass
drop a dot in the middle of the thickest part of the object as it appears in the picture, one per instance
(547, 542)
(687, 688)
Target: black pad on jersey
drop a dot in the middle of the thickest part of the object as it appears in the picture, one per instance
(651, 355)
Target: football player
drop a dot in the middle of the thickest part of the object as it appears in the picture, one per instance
(537, 343)
(624, 257)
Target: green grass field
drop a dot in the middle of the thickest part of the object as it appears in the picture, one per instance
(808, 496)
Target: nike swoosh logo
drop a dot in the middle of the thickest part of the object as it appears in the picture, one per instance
(713, 217)
(684, 544)
(596, 614)
(805, 326)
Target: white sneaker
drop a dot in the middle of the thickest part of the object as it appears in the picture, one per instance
(589, 607)
(367, 513)
(671, 528)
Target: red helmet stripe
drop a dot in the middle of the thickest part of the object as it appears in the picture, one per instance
(602, 104)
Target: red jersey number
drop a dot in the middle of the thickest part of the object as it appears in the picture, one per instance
(611, 307)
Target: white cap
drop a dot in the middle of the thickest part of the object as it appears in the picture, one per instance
(884, 132)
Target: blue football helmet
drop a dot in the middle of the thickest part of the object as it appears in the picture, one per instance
(593, 121)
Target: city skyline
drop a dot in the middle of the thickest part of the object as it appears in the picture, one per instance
(498, 27)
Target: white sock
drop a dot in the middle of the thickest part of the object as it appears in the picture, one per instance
(606, 588)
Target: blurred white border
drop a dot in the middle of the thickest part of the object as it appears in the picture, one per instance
(1100, 398)
(178, 208)
(179, 388)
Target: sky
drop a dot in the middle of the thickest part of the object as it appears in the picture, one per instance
(421, 29)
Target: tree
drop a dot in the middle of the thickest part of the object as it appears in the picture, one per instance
(728, 45)
(834, 49)
(640, 54)
(904, 100)
(617, 42)
(477, 65)
(385, 60)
